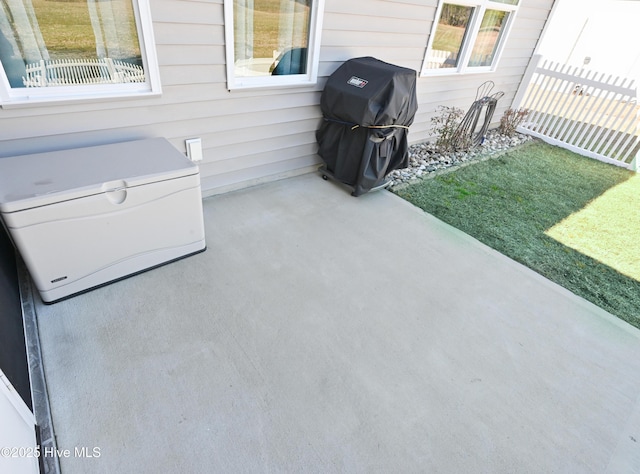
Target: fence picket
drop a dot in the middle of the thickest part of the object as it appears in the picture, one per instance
(597, 101)
(579, 103)
(590, 112)
(565, 105)
(630, 130)
(549, 99)
(615, 107)
(614, 121)
(59, 72)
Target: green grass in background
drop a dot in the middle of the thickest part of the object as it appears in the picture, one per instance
(67, 31)
(509, 202)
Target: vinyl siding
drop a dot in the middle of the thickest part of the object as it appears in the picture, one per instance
(254, 135)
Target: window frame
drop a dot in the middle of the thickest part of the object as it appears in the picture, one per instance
(310, 78)
(34, 96)
(470, 36)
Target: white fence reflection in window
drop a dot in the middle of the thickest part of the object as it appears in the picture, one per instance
(79, 42)
(63, 72)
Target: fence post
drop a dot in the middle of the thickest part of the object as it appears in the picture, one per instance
(526, 80)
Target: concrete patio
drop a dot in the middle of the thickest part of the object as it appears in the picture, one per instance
(325, 333)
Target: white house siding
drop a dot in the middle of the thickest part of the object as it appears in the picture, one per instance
(253, 135)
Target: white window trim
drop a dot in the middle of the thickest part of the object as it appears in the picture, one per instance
(474, 26)
(34, 96)
(313, 55)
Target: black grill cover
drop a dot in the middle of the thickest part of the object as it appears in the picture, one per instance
(367, 106)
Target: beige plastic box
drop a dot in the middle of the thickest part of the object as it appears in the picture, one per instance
(85, 217)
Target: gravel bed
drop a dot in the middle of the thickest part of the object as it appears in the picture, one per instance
(424, 160)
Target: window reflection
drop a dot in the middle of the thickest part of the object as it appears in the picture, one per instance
(449, 36)
(488, 38)
(271, 37)
(47, 43)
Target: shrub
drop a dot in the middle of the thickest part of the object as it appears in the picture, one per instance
(445, 126)
(511, 120)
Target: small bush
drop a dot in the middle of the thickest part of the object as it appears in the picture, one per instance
(445, 126)
(511, 120)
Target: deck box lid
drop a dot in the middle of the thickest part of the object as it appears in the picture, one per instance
(41, 179)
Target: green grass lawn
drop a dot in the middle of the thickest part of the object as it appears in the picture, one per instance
(511, 201)
(68, 33)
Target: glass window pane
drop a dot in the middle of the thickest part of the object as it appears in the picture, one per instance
(508, 2)
(46, 43)
(449, 36)
(271, 37)
(488, 38)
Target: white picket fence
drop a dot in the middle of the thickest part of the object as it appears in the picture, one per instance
(589, 112)
(63, 72)
(437, 58)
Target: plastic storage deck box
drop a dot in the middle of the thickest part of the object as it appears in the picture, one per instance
(85, 217)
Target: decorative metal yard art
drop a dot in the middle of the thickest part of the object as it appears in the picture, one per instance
(466, 135)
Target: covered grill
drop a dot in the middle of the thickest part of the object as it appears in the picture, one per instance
(367, 106)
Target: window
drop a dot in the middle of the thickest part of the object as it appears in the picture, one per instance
(272, 42)
(468, 36)
(78, 49)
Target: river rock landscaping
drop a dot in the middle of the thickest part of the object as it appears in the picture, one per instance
(425, 160)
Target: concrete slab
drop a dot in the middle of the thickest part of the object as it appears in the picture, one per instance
(325, 333)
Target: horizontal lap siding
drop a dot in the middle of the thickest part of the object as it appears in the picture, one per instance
(250, 135)
(460, 91)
